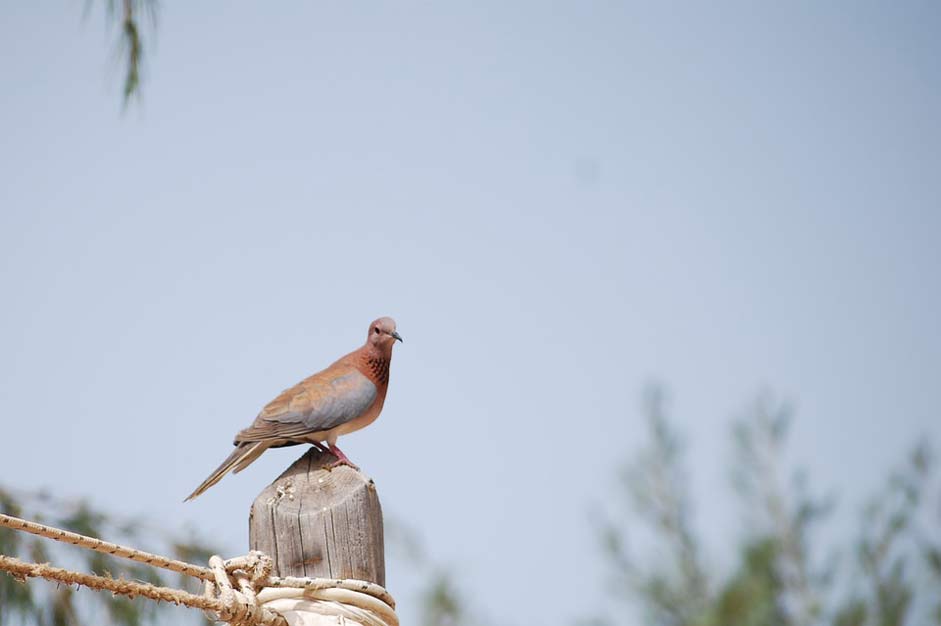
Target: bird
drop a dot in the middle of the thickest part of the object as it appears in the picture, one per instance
(345, 397)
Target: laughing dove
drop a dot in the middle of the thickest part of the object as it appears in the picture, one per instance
(345, 397)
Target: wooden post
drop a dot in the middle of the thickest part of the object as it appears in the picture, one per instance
(319, 522)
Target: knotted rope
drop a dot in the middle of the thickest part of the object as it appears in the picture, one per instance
(240, 591)
(229, 611)
(358, 600)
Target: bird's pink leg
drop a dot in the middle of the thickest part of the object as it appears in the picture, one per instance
(342, 459)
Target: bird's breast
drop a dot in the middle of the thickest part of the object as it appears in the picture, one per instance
(368, 417)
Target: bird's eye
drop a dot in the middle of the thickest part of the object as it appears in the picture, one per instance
(376, 329)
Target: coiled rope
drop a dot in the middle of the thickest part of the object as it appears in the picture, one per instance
(240, 591)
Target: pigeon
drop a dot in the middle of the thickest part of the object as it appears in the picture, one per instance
(343, 398)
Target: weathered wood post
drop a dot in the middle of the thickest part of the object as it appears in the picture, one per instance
(317, 522)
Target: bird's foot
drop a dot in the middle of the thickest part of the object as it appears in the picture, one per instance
(342, 459)
(338, 463)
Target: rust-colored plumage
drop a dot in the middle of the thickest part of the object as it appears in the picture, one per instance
(341, 399)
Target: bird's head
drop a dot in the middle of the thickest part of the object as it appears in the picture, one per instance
(382, 334)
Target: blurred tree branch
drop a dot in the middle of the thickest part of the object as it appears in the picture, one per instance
(131, 41)
(656, 483)
(784, 517)
(894, 580)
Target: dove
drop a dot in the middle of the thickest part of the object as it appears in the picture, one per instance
(343, 398)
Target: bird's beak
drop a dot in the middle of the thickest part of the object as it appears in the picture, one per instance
(395, 335)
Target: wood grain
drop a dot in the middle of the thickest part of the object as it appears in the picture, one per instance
(319, 522)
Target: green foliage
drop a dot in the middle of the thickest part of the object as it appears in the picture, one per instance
(46, 604)
(16, 599)
(128, 15)
(750, 597)
(441, 602)
(783, 577)
(656, 483)
(895, 550)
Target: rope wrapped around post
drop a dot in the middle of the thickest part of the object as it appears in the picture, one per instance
(301, 601)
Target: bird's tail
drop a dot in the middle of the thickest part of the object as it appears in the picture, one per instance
(240, 458)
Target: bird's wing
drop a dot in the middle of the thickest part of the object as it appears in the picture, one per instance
(316, 404)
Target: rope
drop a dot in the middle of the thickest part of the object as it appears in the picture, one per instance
(106, 547)
(231, 613)
(360, 607)
(364, 602)
(316, 584)
(359, 600)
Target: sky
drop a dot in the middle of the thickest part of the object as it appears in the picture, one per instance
(558, 203)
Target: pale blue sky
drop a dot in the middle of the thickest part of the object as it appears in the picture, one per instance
(556, 203)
